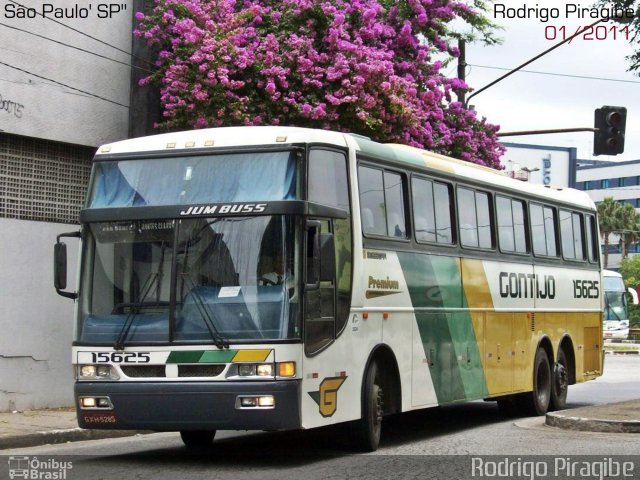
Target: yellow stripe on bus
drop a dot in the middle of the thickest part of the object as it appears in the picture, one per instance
(251, 356)
(476, 286)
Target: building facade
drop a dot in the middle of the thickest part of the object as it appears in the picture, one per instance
(65, 79)
(540, 164)
(619, 180)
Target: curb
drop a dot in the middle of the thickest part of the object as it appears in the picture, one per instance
(592, 425)
(62, 436)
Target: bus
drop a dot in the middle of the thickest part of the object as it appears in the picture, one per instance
(616, 306)
(412, 280)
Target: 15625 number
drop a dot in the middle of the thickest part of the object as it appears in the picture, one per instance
(118, 357)
(586, 289)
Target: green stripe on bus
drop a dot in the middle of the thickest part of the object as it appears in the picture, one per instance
(449, 340)
(218, 356)
(201, 356)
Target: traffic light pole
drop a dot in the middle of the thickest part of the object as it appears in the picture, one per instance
(568, 39)
(542, 132)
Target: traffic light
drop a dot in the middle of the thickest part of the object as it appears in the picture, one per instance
(609, 123)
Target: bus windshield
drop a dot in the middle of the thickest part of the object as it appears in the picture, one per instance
(202, 280)
(615, 299)
(188, 180)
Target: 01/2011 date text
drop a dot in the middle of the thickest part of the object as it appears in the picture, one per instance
(588, 33)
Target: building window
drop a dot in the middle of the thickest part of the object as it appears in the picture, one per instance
(587, 185)
(43, 180)
(604, 183)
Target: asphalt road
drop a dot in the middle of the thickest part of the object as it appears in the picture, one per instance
(437, 443)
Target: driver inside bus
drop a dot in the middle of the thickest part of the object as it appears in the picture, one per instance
(277, 275)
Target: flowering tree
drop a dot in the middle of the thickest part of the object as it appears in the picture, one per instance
(362, 66)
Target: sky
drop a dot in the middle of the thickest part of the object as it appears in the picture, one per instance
(528, 101)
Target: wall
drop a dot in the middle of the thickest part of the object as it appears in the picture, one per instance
(37, 323)
(49, 90)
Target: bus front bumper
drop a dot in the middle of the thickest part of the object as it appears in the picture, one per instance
(175, 406)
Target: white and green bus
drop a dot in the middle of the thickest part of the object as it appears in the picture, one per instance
(616, 305)
(273, 278)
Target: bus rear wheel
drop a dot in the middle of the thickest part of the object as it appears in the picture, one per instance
(369, 428)
(537, 401)
(197, 438)
(560, 382)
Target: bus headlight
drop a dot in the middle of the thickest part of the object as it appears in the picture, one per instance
(282, 369)
(255, 370)
(97, 372)
(95, 403)
(264, 370)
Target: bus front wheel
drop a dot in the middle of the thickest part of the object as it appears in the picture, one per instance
(369, 427)
(197, 438)
(537, 401)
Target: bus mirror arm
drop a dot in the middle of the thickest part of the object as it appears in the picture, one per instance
(60, 265)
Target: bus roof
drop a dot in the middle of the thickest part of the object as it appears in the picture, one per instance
(611, 273)
(402, 155)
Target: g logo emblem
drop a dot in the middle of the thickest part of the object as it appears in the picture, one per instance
(327, 396)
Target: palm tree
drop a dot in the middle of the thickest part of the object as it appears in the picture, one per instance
(609, 220)
(630, 226)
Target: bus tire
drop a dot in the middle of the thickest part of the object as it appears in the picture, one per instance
(197, 438)
(536, 402)
(560, 382)
(369, 427)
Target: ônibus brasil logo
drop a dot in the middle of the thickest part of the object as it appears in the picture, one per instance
(35, 469)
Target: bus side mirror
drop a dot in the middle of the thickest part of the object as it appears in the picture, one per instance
(327, 257)
(60, 265)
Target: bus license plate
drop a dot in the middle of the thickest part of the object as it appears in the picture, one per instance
(99, 418)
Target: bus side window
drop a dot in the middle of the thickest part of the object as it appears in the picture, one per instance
(432, 210)
(551, 231)
(543, 230)
(571, 231)
(592, 236)
(382, 202)
(372, 205)
(394, 199)
(467, 218)
(476, 226)
(328, 178)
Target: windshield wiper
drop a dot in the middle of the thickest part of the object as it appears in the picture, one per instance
(206, 313)
(135, 309)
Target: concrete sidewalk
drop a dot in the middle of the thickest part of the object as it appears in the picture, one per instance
(623, 417)
(40, 427)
